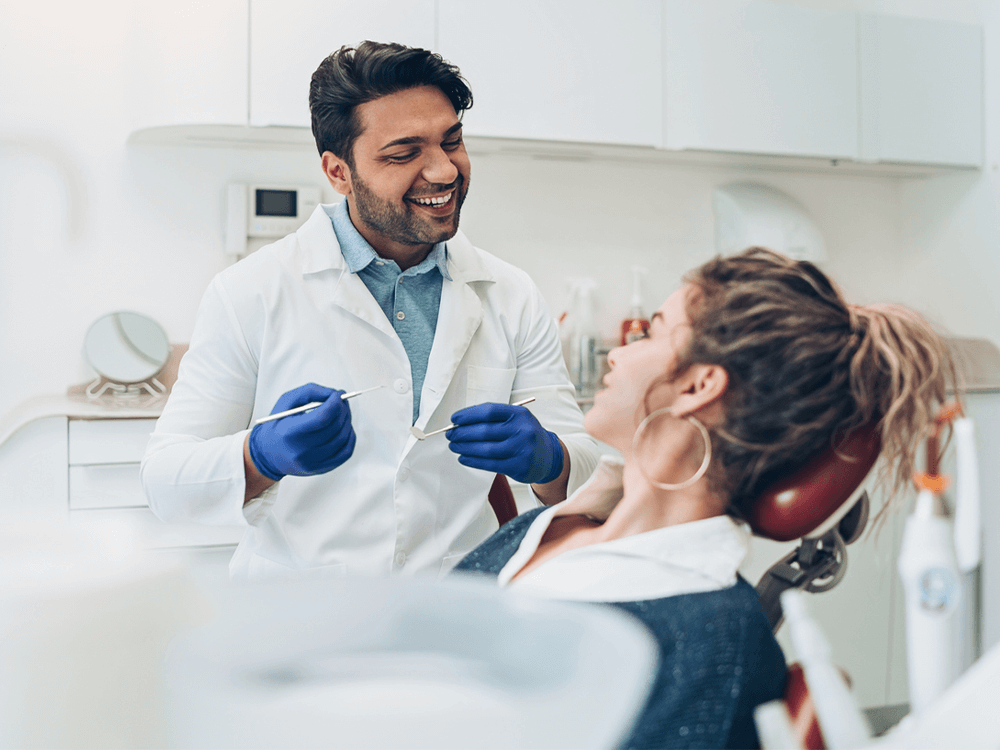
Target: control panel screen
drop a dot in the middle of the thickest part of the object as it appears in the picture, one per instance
(276, 202)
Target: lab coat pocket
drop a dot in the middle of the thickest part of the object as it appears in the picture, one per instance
(450, 561)
(489, 384)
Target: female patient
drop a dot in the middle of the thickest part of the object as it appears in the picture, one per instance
(750, 369)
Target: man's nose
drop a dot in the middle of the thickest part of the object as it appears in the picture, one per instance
(440, 168)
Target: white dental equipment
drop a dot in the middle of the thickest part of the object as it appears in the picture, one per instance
(929, 571)
(421, 435)
(313, 405)
(840, 720)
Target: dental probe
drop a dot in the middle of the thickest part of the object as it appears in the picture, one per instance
(313, 405)
(421, 435)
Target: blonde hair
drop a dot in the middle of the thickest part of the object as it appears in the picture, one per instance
(806, 369)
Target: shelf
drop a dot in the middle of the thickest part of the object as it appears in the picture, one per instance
(267, 138)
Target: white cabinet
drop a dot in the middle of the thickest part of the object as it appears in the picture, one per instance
(563, 70)
(756, 77)
(921, 91)
(187, 63)
(759, 77)
(60, 455)
(103, 458)
(289, 39)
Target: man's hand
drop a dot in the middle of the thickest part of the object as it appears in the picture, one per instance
(506, 440)
(313, 442)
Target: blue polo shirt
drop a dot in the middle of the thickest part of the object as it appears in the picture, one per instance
(410, 299)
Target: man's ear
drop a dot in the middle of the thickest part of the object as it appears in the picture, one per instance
(337, 172)
(702, 386)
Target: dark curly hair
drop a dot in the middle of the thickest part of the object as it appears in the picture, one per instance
(805, 369)
(356, 75)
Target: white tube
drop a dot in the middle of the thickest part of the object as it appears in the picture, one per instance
(932, 589)
(968, 530)
(774, 727)
(840, 720)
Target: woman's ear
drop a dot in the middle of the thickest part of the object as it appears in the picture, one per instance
(337, 172)
(701, 386)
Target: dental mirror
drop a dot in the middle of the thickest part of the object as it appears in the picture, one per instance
(125, 348)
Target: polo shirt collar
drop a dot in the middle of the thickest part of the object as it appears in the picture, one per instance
(359, 254)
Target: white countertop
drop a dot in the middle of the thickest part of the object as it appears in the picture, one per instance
(78, 407)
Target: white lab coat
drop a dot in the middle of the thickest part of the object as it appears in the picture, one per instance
(292, 313)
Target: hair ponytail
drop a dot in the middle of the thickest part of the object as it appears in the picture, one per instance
(899, 375)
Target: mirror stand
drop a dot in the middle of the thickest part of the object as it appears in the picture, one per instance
(150, 388)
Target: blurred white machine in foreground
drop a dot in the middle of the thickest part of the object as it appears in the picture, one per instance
(106, 644)
(390, 663)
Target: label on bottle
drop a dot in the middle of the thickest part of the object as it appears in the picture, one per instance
(634, 329)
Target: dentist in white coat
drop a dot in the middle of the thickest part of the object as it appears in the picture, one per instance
(380, 289)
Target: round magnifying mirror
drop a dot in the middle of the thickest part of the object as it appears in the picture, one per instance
(126, 347)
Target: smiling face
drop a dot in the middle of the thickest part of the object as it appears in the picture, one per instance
(621, 406)
(409, 176)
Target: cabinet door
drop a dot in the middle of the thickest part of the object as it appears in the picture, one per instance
(290, 38)
(921, 91)
(187, 63)
(564, 70)
(758, 77)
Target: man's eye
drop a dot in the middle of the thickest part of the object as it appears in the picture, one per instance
(400, 158)
(451, 145)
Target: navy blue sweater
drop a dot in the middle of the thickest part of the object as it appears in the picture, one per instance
(718, 657)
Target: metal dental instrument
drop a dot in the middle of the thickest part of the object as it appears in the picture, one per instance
(313, 405)
(421, 435)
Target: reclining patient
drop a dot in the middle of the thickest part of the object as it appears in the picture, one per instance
(750, 369)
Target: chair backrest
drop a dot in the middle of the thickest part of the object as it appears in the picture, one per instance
(502, 499)
(815, 497)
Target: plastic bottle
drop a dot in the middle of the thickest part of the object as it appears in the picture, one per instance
(636, 324)
(588, 338)
(933, 593)
(580, 336)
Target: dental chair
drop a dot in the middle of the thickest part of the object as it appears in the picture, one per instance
(826, 507)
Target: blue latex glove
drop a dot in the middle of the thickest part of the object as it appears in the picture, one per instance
(313, 442)
(506, 440)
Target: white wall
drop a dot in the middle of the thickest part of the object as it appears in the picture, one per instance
(90, 224)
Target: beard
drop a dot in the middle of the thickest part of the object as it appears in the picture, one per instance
(402, 223)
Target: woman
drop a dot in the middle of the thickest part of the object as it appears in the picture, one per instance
(749, 370)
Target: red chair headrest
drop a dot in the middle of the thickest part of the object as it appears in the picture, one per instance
(803, 502)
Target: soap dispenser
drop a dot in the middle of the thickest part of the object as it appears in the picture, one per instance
(636, 324)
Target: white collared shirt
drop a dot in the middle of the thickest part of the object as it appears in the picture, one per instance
(686, 558)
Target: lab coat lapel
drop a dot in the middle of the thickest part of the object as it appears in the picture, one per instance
(459, 317)
(321, 252)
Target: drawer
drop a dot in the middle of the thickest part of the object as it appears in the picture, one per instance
(108, 441)
(152, 533)
(105, 486)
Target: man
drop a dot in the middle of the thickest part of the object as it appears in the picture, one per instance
(380, 289)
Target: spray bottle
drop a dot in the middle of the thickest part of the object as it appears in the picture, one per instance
(636, 324)
(580, 336)
(932, 588)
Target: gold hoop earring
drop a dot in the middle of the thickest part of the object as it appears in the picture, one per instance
(702, 430)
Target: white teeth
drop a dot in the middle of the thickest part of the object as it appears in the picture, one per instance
(439, 201)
